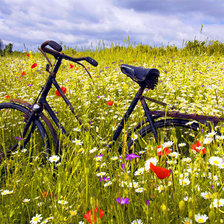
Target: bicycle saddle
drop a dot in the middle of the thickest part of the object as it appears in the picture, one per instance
(143, 76)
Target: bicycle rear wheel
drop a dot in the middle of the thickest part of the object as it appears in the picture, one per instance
(13, 118)
(179, 133)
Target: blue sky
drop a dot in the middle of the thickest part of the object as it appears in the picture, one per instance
(83, 23)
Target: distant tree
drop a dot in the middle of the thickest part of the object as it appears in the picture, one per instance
(8, 48)
(1, 45)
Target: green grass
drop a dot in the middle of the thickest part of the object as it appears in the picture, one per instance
(65, 192)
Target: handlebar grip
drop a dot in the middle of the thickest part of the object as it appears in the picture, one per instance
(55, 45)
(50, 51)
(91, 61)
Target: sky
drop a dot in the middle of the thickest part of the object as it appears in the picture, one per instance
(84, 23)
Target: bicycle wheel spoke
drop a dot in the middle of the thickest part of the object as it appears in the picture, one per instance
(13, 119)
(179, 135)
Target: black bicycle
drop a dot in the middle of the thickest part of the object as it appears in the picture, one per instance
(23, 125)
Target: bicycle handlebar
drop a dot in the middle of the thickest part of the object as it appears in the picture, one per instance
(56, 52)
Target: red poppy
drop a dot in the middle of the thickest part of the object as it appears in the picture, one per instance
(134, 61)
(198, 147)
(162, 152)
(46, 193)
(27, 55)
(34, 65)
(71, 66)
(87, 216)
(7, 97)
(160, 172)
(63, 90)
(23, 73)
(110, 103)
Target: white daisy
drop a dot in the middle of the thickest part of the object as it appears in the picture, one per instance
(37, 218)
(54, 159)
(218, 137)
(211, 134)
(93, 150)
(206, 195)
(167, 144)
(114, 158)
(139, 190)
(174, 154)
(107, 184)
(201, 218)
(77, 142)
(101, 174)
(6, 192)
(62, 202)
(207, 140)
(137, 221)
(182, 144)
(139, 172)
(187, 221)
(160, 188)
(187, 160)
(217, 203)
(134, 137)
(152, 160)
(141, 152)
(98, 158)
(76, 129)
(215, 160)
(26, 200)
(184, 181)
(221, 166)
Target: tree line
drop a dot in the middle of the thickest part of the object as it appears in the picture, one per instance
(7, 49)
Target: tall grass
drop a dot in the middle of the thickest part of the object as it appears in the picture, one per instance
(87, 177)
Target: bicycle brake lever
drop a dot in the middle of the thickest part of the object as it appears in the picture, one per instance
(45, 56)
(84, 68)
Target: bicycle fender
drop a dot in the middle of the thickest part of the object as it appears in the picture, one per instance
(22, 102)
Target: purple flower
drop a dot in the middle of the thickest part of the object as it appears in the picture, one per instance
(105, 179)
(122, 200)
(131, 156)
(122, 165)
(147, 203)
(29, 84)
(19, 138)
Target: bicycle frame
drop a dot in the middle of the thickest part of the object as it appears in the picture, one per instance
(43, 104)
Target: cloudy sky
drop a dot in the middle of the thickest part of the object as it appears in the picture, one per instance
(83, 23)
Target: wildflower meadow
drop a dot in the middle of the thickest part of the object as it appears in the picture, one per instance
(85, 183)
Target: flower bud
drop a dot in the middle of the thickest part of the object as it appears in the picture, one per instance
(182, 206)
(163, 207)
(191, 214)
(211, 215)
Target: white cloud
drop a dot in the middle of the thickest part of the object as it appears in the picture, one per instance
(82, 22)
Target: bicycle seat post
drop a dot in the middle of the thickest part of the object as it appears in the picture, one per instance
(128, 113)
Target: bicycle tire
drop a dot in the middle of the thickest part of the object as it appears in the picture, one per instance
(12, 122)
(180, 126)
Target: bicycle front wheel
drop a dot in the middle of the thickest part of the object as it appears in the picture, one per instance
(13, 118)
(179, 133)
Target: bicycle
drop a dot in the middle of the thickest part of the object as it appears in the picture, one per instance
(158, 127)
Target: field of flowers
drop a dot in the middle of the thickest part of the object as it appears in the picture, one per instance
(86, 184)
